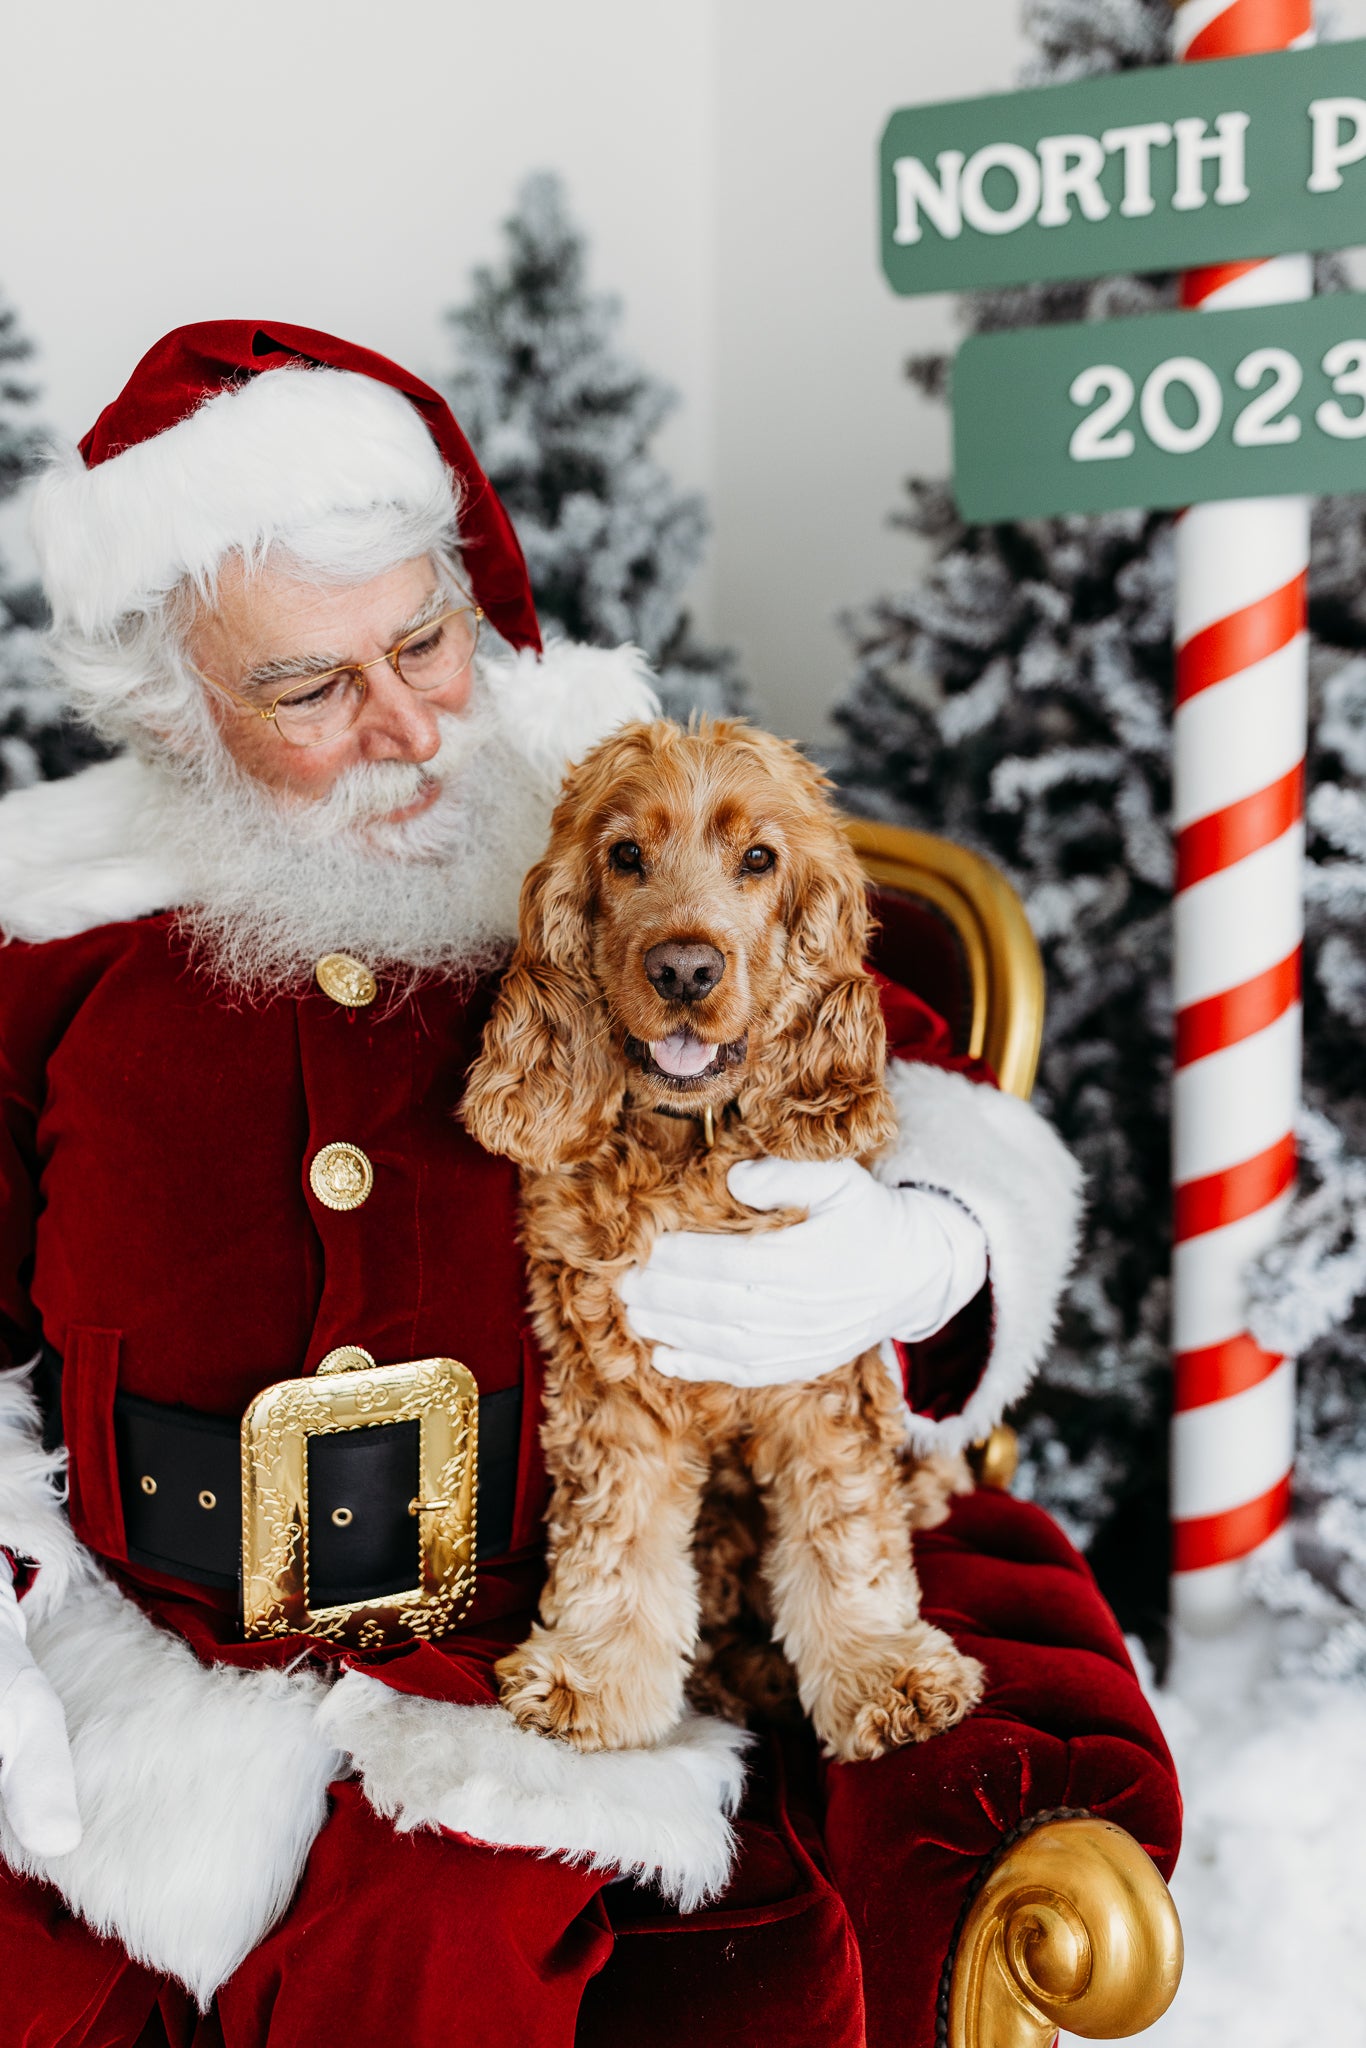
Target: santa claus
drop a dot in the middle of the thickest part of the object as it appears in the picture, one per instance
(248, 964)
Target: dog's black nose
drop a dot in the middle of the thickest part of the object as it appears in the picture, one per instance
(684, 973)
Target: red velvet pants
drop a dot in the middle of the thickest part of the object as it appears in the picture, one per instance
(391, 1938)
(833, 1932)
(428, 1938)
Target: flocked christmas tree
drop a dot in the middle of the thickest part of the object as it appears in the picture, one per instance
(35, 739)
(1020, 700)
(563, 422)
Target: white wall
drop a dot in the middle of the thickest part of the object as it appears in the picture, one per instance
(343, 166)
(816, 425)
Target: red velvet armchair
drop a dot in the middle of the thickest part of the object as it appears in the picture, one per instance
(1031, 1841)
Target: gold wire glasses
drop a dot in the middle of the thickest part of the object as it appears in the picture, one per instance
(316, 709)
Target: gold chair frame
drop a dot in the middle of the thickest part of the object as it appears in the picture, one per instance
(1072, 1925)
(1005, 967)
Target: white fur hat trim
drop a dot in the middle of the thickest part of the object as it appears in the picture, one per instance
(291, 448)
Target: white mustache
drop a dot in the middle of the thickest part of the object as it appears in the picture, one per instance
(373, 790)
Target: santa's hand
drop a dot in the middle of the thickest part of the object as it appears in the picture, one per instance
(37, 1787)
(869, 1262)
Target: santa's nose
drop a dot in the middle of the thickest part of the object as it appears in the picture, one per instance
(396, 723)
(684, 971)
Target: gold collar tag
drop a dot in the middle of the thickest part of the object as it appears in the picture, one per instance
(437, 1393)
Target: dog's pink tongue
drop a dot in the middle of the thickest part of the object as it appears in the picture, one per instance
(681, 1054)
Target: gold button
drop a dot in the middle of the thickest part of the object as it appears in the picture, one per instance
(347, 1358)
(207, 1499)
(147, 1483)
(341, 1176)
(346, 980)
(342, 1518)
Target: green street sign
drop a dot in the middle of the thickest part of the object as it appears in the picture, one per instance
(1161, 169)
(1165, 410)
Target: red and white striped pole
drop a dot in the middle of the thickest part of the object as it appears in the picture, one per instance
(1238, 801)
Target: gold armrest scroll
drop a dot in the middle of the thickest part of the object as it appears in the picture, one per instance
(1073, 1928)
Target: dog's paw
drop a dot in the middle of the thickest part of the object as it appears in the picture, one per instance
(929, 1688)
(544, 1690)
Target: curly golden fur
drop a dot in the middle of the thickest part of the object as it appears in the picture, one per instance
(723, 839)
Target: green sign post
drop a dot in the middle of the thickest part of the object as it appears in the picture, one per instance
(1230, 168)
(1165, 410)
(1162, 169)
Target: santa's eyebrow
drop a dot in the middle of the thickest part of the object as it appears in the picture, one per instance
(288, 668)
(291, 668)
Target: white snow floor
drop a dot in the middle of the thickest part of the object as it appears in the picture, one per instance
(1271, 1885)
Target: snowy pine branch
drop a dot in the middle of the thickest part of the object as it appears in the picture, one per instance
(562, 421)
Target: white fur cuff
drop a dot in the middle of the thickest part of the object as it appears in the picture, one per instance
(1003, 1162)
(660, 1814)
(33, 1522)
(201, 1789)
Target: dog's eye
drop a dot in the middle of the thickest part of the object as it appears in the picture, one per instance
(625, 857)
(757, 860)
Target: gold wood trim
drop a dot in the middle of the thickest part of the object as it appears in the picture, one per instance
(1005, 967)
(1073, 1928)
(437, 1393)
(996, 1458)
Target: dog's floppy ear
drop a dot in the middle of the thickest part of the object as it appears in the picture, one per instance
(820, 1089)
(547, 1085)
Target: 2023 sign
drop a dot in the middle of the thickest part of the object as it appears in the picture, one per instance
(1185, 407)
(1181, 404)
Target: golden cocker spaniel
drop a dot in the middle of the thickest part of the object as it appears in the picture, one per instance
(690, 962)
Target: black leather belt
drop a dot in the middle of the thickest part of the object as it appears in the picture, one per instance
(180, 1481)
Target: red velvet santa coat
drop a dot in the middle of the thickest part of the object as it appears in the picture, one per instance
(160, 1231)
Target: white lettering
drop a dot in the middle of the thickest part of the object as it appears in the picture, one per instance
(1331, 148)
(1138, 143)
(1072, 165)
(916, 188)
(1194, 147)
(1345, 363)
(1264, 421)
(1023, 167)
(1099, 437)
(1203, 386)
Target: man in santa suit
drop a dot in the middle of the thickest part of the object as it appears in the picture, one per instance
(248, 964)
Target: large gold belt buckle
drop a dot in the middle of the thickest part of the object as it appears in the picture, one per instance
(441, 1396)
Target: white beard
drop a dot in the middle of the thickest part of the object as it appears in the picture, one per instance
(274, 884)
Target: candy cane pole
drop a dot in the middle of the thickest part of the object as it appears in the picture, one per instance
(1238, 796)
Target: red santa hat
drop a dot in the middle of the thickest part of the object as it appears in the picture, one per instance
(204, 452)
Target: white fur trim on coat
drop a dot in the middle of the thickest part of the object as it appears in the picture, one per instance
(74, 854)
(557, 707)
(660, 1814)
(202, 1788)
(252, 464)
(1009, 1167)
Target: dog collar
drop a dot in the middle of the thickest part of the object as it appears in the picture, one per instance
(706, 1117)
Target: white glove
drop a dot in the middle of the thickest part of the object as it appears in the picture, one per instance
(869, 1262)
(37, 1787)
